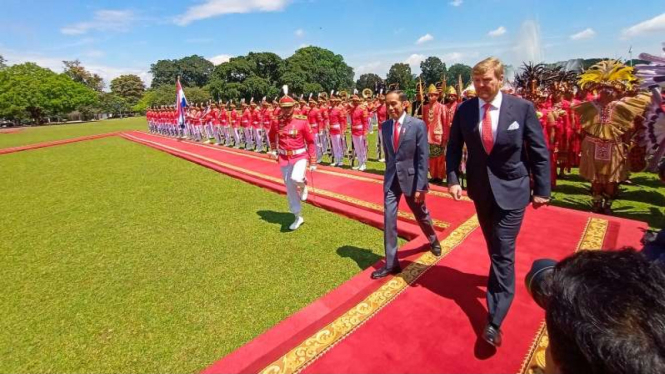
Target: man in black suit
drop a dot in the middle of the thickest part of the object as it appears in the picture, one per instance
(407, 158)
(506, 147)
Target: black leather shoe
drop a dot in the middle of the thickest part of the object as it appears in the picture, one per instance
(492, 335)
(436, 249)
(384, 272)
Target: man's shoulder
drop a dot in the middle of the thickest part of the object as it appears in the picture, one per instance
(466, 105)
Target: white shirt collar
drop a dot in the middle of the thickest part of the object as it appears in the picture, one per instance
(496, 103)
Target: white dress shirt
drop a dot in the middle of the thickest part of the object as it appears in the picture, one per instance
(494, 112)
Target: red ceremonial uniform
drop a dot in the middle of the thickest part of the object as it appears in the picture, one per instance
(337, 121)
(257, 118)
(246, 119)
(293, 139)
(314, 119)
(381, 114)
(235, 118)
(359, 117)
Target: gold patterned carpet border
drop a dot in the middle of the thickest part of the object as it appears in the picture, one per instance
(318, 191)
(592, 239)
(316, 345)
(234, 151)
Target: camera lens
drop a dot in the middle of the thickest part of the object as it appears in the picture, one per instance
(535, 278)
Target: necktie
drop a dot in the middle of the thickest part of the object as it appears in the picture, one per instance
(488, 139)
(395, 135)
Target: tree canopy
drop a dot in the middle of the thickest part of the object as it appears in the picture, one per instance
(130, 87)
(78, 73)
(30, 91)
(400, 74)
(371, 81)
(194, 71)
(433, 70)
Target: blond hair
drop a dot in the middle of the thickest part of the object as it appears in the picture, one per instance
(489, 64)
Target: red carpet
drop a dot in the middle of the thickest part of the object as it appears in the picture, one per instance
(52, 143)
(428, 318)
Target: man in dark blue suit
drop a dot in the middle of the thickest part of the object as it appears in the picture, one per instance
(506, 147)
(407, 158)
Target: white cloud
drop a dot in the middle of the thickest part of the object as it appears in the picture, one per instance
(424, 39)
(108, 73)
(300, 33)
(370, 67)
(452, 58)
(95, 53)
(213, 8)
(584, 34)
(498, 32)
(656, 24)
(456, 2)
(103, 20)
(414, 60)
(220, 59)
(303, 45)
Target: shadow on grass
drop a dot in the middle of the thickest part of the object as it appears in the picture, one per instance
(572, 189)
(364, 258)
(647, 182)
(280, 218)
(650, 197)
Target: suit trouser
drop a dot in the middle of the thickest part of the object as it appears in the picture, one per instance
(500, 228)
(391, 205)
(294, 178)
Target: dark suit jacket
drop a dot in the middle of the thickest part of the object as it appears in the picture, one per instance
(410, 162)
(516, 154)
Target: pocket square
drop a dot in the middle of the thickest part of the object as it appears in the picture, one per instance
(513, 126)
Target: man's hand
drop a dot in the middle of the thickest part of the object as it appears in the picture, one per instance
(539, 201)
(456, 191)
(273, 155)
(420, 197)
(312, 167)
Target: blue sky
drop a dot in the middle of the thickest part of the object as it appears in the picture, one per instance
(120, 37)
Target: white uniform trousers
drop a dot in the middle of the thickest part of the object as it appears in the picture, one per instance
(294, 178)
(338, 148)
(361, 149)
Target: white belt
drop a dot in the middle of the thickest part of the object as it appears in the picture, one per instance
(335, 126)
(359, 127)
(292, 153)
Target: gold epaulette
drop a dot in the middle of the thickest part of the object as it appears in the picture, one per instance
(300, 116)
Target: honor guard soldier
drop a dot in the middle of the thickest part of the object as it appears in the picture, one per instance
(293, 146)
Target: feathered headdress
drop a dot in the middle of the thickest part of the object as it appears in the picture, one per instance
(608, 73)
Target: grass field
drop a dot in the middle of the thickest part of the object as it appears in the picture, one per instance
(119, 258)
(31, 135)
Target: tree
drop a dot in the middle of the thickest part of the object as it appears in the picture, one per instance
(3, 62)
(371, 81)
(433, 70)
(459, 70)
(194, 71)
(165, 95)
(317, 65)
(114, 104)
(130, 87)
(400, 74)
(30, 91)
(78, 73)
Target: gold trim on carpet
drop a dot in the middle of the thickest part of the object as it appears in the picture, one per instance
(236, 151)
(366, 204)
(592, 240)
(316, 345)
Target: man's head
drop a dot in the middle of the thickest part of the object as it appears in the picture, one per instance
(487, 78)
(605, 313)
(397, 103)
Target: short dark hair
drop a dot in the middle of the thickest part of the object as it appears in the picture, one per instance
(400, 93)
(606, 313)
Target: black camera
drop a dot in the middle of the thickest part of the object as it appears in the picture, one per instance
(536, 279)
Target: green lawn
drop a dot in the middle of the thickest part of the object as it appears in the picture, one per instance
(119, 258)
(31, 135)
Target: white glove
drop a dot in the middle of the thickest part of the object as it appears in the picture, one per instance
(273, 155)
(312, 167)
